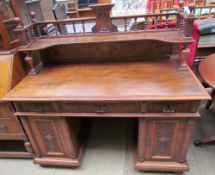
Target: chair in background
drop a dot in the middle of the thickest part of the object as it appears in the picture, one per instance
(201, 27)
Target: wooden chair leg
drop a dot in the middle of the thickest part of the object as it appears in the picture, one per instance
(206, 140)
(210, 102)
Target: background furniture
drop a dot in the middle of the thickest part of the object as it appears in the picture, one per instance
(207, 72)
(79, 8)
(13, 10)
(203, 46)
(46, 6)
(156, 6)
(206, 39)
(59, 12)
(34, 6)
(14, 142)
(21, 11)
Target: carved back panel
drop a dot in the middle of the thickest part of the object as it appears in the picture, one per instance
(100, 52)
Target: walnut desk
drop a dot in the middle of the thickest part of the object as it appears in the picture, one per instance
(108, 73)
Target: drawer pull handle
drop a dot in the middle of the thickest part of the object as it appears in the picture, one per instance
(100, 109)
(2, 128)
(168, 109)
(38, 108)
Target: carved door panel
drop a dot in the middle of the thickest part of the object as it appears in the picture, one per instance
(51, 137)
(164, 139)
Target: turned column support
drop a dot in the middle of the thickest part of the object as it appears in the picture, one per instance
(189, 21)
(32, 65)
(183, 55)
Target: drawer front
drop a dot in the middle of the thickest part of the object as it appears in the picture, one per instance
(99, 107)
(5, 111)
(9, 126)
(166, 107)
(34, 107)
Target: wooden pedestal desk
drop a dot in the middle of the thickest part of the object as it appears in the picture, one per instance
(108, 73)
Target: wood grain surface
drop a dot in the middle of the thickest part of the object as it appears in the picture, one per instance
(157, 80)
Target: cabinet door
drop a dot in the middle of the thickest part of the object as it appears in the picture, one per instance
(164, 139)
(51, 136)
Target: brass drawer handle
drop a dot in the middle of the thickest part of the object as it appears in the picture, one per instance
(2, 128)
(168, 109)
(100, 109)
(38, 108)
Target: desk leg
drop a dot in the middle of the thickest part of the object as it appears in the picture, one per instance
(55, 140)
(163, 144)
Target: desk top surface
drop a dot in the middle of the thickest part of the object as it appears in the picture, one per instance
(157, 80)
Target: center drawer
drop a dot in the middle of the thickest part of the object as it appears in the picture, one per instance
(99, 107)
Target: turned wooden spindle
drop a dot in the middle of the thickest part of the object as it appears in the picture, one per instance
(189, 21)
(30, 63)
(166, 21)
(184, 56)
(135, 24)
(146, 23)
(33, 17)
(192, 8)
(74, 27)
(181, 6)
(19, 23)
(125, 25)
(33, 62)
(155, 21)
(83, 26)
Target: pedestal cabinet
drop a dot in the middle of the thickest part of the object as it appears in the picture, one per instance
(55, 139)
(163, 143)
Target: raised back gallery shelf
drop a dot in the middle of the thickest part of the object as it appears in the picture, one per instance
(174, 36)
(104, 28)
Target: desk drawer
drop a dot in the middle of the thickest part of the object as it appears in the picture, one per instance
(5, 111)
(166, 107)
(34, 107)
(99, 107)
(9, 126)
